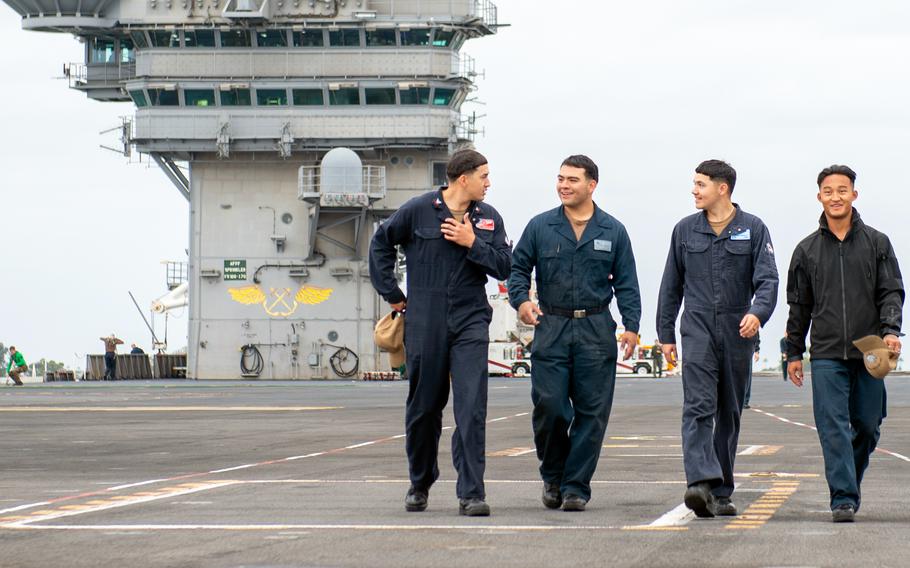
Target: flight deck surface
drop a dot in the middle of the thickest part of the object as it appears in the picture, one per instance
(193, 473)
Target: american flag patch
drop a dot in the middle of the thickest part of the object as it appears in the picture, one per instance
(485, 224)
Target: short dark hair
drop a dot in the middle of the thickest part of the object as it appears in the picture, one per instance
(718, 171)
(12, 347)
(837, 170)
(464, 162)
(585, 163)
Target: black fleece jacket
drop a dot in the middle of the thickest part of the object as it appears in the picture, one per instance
(847, 289)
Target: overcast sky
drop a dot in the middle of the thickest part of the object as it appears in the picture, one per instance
(648, 89)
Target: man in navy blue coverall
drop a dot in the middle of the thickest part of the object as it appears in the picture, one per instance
(452, 241)
(721, 262)
(582, 257)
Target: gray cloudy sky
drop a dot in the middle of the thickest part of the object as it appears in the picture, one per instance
(648, 89)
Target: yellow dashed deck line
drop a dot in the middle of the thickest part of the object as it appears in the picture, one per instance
(115, 501)
(741, 527)
(772, 476)
(509, 453)
(763, 509)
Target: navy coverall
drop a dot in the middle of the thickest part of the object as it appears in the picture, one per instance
(446, 331)
(574, 350)
(721, 279)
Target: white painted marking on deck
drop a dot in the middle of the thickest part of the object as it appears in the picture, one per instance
(293, 458)
(214, 471)
(676, 517)
(23, 507)
(749, 451)
(138, 484)
(643, 455)
(235, 468)
(315, 527)
(880, 450)
(449, 481)
(893, 454)
(126, 501)
(165, 409)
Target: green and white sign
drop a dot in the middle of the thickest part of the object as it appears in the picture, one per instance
(234, 270)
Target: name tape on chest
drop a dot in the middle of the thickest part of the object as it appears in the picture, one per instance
(600, 244)
(744, 235)
(485, 224)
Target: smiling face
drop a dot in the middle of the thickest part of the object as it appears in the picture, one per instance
(574, 187)
(708, 192)
(476, 182)
(836, 194)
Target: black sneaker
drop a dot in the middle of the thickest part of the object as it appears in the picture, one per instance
(573, 502)
(843, 513)
(552, 496)
(699, 499)
(473, 507)
(416, 500)
(724, 507)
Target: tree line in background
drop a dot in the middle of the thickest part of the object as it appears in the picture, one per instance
(42, 365)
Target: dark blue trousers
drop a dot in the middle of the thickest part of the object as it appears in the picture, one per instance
(110, 366)
(716, 366)
(572, 384)
(446, 342)
(849, 406)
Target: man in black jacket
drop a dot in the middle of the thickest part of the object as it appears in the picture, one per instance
(845, 279)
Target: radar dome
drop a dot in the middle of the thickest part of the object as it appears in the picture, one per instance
(341, 172)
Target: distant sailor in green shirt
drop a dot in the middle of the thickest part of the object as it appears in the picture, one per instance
(16, 366)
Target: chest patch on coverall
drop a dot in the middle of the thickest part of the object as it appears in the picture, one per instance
(485, 224)
(603, 245)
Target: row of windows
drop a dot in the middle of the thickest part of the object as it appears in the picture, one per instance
(285, 38)
(265, 97)
(105, 50)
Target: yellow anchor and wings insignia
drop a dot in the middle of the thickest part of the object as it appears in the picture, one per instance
(280, 302)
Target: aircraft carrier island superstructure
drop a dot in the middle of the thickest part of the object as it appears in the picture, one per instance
(293, 127)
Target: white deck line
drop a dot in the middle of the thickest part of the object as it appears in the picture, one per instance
(677, 517)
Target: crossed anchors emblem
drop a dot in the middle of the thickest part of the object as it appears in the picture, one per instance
(280, 302)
